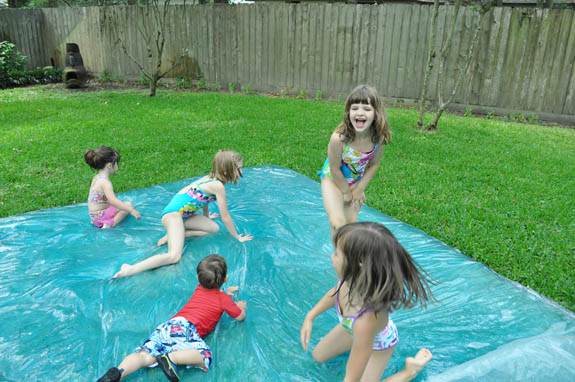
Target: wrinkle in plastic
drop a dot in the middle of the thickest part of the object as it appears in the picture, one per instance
(62, 317)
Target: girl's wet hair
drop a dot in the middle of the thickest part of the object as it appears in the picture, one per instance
(212, 271)
(368, 95)
(99, 158)
(226, 166)
(378, 269)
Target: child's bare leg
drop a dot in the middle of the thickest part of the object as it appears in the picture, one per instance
(333, 204)
(135, 362)
(121, 215)
(175, 227)
(199, 225)
(413, 365)
(336, 342)
(351, 212)
(376, 365)
(190, 357)
(196, 226)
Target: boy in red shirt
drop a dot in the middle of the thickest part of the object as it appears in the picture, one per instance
(179, 341)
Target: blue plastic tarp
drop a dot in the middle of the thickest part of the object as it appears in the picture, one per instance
(62, 317)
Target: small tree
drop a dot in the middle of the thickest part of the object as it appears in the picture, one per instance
(484, 6)
(154, 34)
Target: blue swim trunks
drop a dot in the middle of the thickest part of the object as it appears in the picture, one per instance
(177, 334)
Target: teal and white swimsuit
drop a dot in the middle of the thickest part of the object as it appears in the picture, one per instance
(353, 164)
(191, 201)
(384, 340)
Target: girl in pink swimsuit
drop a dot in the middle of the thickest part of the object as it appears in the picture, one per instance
(105, 210)
(376, 275)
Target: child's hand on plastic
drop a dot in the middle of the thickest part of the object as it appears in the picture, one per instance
(136, 214)
(247, 237)
(242, 304)
(231, 290)
(213, 215)
(305, 333)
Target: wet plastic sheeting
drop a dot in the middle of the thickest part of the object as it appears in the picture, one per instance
(62, 318)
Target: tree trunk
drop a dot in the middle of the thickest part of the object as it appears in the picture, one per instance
(153, 84)
(433, 125)
(459, 77)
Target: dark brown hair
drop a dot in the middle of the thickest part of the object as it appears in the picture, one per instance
(226, 166)
(368, 95)
(99, 158)
(212, 271)
(378, 269)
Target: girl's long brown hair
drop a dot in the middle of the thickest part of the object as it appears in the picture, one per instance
(368, 95)
(379, 270)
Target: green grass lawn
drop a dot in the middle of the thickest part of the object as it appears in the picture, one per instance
(503, 193)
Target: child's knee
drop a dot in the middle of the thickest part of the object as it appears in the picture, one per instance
(173, 258)
(146, 357)
(317, 356)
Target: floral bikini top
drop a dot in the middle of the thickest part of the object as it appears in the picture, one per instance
(347, 321)
(97, 196)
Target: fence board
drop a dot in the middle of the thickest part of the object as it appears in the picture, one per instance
(376, 69)
(323, 69)
(316, 25)
(457, 55)
(331, 21)
(567, 79)
(561, 30)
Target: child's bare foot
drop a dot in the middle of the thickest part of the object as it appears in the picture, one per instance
(163, 240)
(125, 271)
(415, 364)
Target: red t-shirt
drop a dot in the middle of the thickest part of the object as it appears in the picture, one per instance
(206, 307)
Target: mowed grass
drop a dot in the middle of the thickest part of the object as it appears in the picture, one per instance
(502, 193)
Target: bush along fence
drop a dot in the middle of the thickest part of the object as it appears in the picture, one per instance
(523, 61)
(14, 72)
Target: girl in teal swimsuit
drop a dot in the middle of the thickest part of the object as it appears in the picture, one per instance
(376, 275)
(182, 218)
(353, 156)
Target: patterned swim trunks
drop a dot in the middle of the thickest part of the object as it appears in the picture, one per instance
(387, 338)
(177, 334)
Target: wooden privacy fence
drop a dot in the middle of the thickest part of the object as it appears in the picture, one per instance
(524, 60)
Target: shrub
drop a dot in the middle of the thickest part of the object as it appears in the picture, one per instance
(13, 72)
(10, 61)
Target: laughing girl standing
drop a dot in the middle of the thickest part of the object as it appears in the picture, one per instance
(353, 156)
